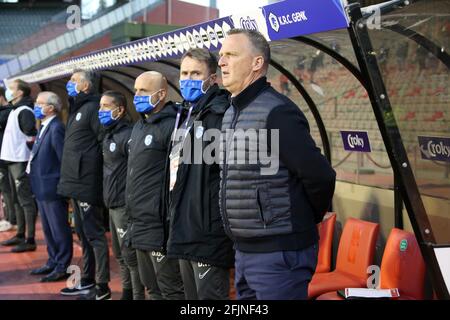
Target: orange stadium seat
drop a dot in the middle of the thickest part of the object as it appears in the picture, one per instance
(326, 232)
(355, 254)
(401, 252)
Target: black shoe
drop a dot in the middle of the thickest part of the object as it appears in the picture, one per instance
(42, 270)
(24, 247)
(14, 241)
(55, 276)
(102, 293)
(82, 288)
(127, 294)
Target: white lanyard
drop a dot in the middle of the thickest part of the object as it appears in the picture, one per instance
(177, 121)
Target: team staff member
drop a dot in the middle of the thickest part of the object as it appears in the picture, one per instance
(197, 237)
(18, 138)
(5, 181)
(147, 159)
(82, 180)
(45, 166)
(112, 115)
(271, 215)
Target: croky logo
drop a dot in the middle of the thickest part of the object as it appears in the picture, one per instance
(434, 149)
(354, 141)
(249, 23)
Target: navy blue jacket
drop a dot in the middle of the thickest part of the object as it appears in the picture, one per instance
(46, 161)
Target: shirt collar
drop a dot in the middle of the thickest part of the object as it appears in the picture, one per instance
(47, 121)
(244, 98)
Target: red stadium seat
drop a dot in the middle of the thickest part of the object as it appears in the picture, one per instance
(355, 254)
(326, 231)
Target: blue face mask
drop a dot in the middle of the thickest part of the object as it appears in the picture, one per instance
(144, 104)
(192, 90)
(71, 88)
(106, 118)
(38, 113)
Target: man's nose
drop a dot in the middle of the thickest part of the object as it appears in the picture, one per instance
(221, 62)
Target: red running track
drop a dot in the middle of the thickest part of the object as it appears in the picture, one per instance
(17, 284)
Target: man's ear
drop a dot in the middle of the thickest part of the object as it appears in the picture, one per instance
(162, 94)
(122, 110)
(258, 63)
(53, 108)
(19, 93)
(213, 78)
(84, 86)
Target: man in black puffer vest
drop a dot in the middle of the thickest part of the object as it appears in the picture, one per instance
(270, 204)
(197, 237)
(82, 180)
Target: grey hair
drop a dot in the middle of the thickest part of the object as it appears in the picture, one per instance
(88, 76)
(259, 43)
(53, 99)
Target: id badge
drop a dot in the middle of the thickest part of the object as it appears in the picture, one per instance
(174, 164)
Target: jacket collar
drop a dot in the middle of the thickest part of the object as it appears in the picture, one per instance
(24, 101)
(214, 100)
(203, 102)
(78, 101)
(167, 111)
(38, 143)
(249, 94)
(116, 127)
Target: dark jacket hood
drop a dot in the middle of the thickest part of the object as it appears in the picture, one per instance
(24, 101)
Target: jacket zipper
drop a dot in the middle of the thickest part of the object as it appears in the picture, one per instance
(225, 171)
(260, 208)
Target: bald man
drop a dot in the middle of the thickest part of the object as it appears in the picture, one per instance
(147, 160)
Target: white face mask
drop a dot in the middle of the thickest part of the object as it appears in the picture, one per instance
(9, 95)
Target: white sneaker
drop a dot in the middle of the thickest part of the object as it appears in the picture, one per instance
(5, 226)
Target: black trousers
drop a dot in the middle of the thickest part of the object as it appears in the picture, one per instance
(26, 213)
(89, 225)
(166, 271)
(204, 282)
(8, 193)
(126, 256)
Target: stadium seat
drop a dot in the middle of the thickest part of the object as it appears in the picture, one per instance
(355, 254)
(435, 116)
(326, 232)
(402, 267)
